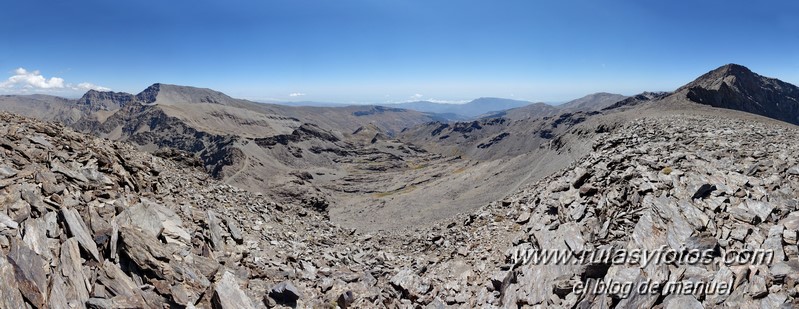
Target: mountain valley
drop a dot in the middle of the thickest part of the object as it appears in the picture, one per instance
(185, 197)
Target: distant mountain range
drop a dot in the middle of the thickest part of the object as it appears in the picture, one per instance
(310, 104)
(471, 109)
(488, 107)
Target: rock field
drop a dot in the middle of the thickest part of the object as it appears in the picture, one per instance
(87, 222)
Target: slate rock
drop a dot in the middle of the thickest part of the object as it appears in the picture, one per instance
(7, 171)
(173, 233)
(77, 228)
(76, 285)
(228, 294)
(147, 216)
(146, 252)
(10, 296)
(215, 232)
(29, 270)
(285, 293)
(118, 283)
(345, 299)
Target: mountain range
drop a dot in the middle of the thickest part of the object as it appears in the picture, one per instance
(262, 147)
(183, 196)
(488, 107)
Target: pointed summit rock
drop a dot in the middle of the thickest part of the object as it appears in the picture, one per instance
(736, 87)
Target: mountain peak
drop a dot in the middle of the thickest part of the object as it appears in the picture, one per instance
(149, 94)
(734, 86)
(732, 68)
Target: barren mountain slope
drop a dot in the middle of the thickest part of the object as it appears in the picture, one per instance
(674, 179)
(90, 221)
(349, 118)
(491, 158)
(534, 110)
(129, 229)
(471, 164)
(260, 147)
(45, 107)
(592, 102)
(589, 103)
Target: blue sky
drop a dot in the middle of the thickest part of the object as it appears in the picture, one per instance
(381, 51)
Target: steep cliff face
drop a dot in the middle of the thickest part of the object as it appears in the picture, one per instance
(104, 100)
(736, 87)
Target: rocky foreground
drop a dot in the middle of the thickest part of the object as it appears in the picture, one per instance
(677, 183)
(90, 223)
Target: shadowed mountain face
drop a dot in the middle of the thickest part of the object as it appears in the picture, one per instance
(736, 87)
(95, 100)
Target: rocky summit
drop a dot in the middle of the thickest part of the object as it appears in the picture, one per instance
(654, 201)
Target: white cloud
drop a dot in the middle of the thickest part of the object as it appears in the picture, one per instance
(28, 81)
(416, 96)
(90, 86)
(448, 101)
(296, 94)
(25, 79)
